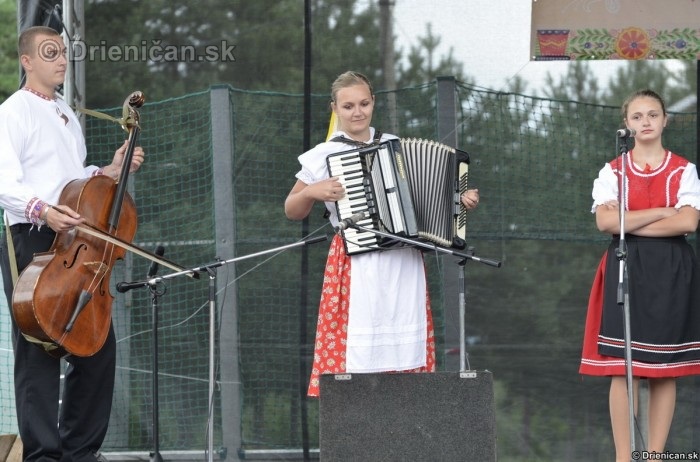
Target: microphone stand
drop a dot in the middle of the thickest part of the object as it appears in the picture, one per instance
(623, 289)
(463, 362)
(431, 246)
(210, 268)
(155, 293)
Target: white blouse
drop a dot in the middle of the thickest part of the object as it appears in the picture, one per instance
(387, 326)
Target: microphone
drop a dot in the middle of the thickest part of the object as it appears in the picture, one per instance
(123, 287)
(127, 286)
(348, 222)
(153, 269)
(626, 133)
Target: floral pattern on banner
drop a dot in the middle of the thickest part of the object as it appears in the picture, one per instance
(332, 327)
(630, 43)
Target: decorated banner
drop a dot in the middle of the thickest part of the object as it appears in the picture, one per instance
(615, 29)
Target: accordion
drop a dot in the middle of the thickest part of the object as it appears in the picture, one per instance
(408, 187)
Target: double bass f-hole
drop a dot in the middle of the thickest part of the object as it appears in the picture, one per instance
(70, 263)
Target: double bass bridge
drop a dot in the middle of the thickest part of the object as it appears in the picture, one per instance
(98, 268)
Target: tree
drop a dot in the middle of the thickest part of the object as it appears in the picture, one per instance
(658, 76)
(674, 81)
(260, 46)
(9, 64)
(168, 49)
(576, 85)
(423, 65)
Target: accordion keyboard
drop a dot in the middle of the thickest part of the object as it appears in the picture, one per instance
(349, 170)
(373, 185)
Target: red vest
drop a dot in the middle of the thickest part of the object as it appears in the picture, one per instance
(647, 188)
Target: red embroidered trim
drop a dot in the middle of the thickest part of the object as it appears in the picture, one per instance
(39, 94)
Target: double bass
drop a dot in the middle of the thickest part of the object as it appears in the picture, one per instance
(62, 301)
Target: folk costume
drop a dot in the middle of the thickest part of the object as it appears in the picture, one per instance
(663, 275)
(374, 313)
(41, 149)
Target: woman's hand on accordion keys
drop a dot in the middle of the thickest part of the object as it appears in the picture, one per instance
(470, 199)
(302, 197)
(329, 190)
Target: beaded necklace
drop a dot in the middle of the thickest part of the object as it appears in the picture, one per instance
(40, 95)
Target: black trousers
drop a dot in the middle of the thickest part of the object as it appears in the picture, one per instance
(75, 430)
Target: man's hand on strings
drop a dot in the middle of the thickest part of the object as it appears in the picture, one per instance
(114, 169)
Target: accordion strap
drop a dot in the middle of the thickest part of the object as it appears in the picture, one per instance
(360, 144)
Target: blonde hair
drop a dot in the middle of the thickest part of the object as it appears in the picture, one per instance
(348, 79)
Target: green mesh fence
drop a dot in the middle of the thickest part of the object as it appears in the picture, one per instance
(534, 161)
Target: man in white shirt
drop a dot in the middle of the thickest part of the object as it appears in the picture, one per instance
(42, 149)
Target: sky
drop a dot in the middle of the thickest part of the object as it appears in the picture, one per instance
(490, 37)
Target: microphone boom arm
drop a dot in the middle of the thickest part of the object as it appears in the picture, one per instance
(430, 246)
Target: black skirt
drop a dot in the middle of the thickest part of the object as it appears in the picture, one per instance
(663, 280)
